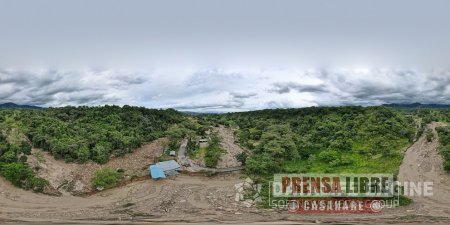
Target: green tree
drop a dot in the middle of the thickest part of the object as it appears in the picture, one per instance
(8, 157)
(213, 152)
(106, 178)
(25, 147)
(16, 173)
(278, 141)
(101, 152)
(82, 154)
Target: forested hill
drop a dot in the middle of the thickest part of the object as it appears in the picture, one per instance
(10, 105)
(316, 139)
(418, 106)
(348, 139)
(322, 139)
(83, 133)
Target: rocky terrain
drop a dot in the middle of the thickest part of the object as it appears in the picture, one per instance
(228, 143)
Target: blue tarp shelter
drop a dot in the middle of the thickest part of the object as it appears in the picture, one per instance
(164, 169)
(156, 172)
(169, 165)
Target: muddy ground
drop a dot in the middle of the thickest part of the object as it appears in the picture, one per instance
(211, 200)
(193, 199)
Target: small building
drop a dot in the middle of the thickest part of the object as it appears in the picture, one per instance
(164, 169)
(172, 153)
(156, 172)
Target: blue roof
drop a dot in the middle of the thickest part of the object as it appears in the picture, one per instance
(169, 165)
(156, 172)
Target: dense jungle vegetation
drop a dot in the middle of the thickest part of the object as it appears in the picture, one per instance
(14, 152)
(90, 133)
(329, 140)
(79, 134)
(444, 139)
(15, 169)
(323, 139)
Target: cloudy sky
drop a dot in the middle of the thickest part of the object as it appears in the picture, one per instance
(209, 55)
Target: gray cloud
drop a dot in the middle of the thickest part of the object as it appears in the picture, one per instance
(8, 77)
(239, 95)
(286, 87)
(395, 86)
(211, 106)
(66, 87)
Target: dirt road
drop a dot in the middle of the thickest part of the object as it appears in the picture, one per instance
(182, 198)
(423, 163)
(182, 159)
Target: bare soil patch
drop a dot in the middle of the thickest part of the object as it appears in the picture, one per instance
(423, 163)
(228, 159)
(73, 178)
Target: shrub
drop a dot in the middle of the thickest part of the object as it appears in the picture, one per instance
(445, 152)
(242, 157)
(16, 173)
(8, 157)
(82, 154)
(192, 146)
(212, 156)
(262, 164)
(38, 184)
(213, 152)
(346, 160)
(329, 155)
(21, 175)
(101, 152)
(25, 147)
(429, 135)
(444, 139)
(106, 178)
(447, 166)
(23, 159)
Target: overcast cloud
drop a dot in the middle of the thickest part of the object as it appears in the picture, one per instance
(209, 55)
(221, 90)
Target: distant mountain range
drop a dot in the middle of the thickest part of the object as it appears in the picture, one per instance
(10, 105)
(200, 113)
(417, 105)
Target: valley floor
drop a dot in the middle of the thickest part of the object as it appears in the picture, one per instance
(187, 199)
